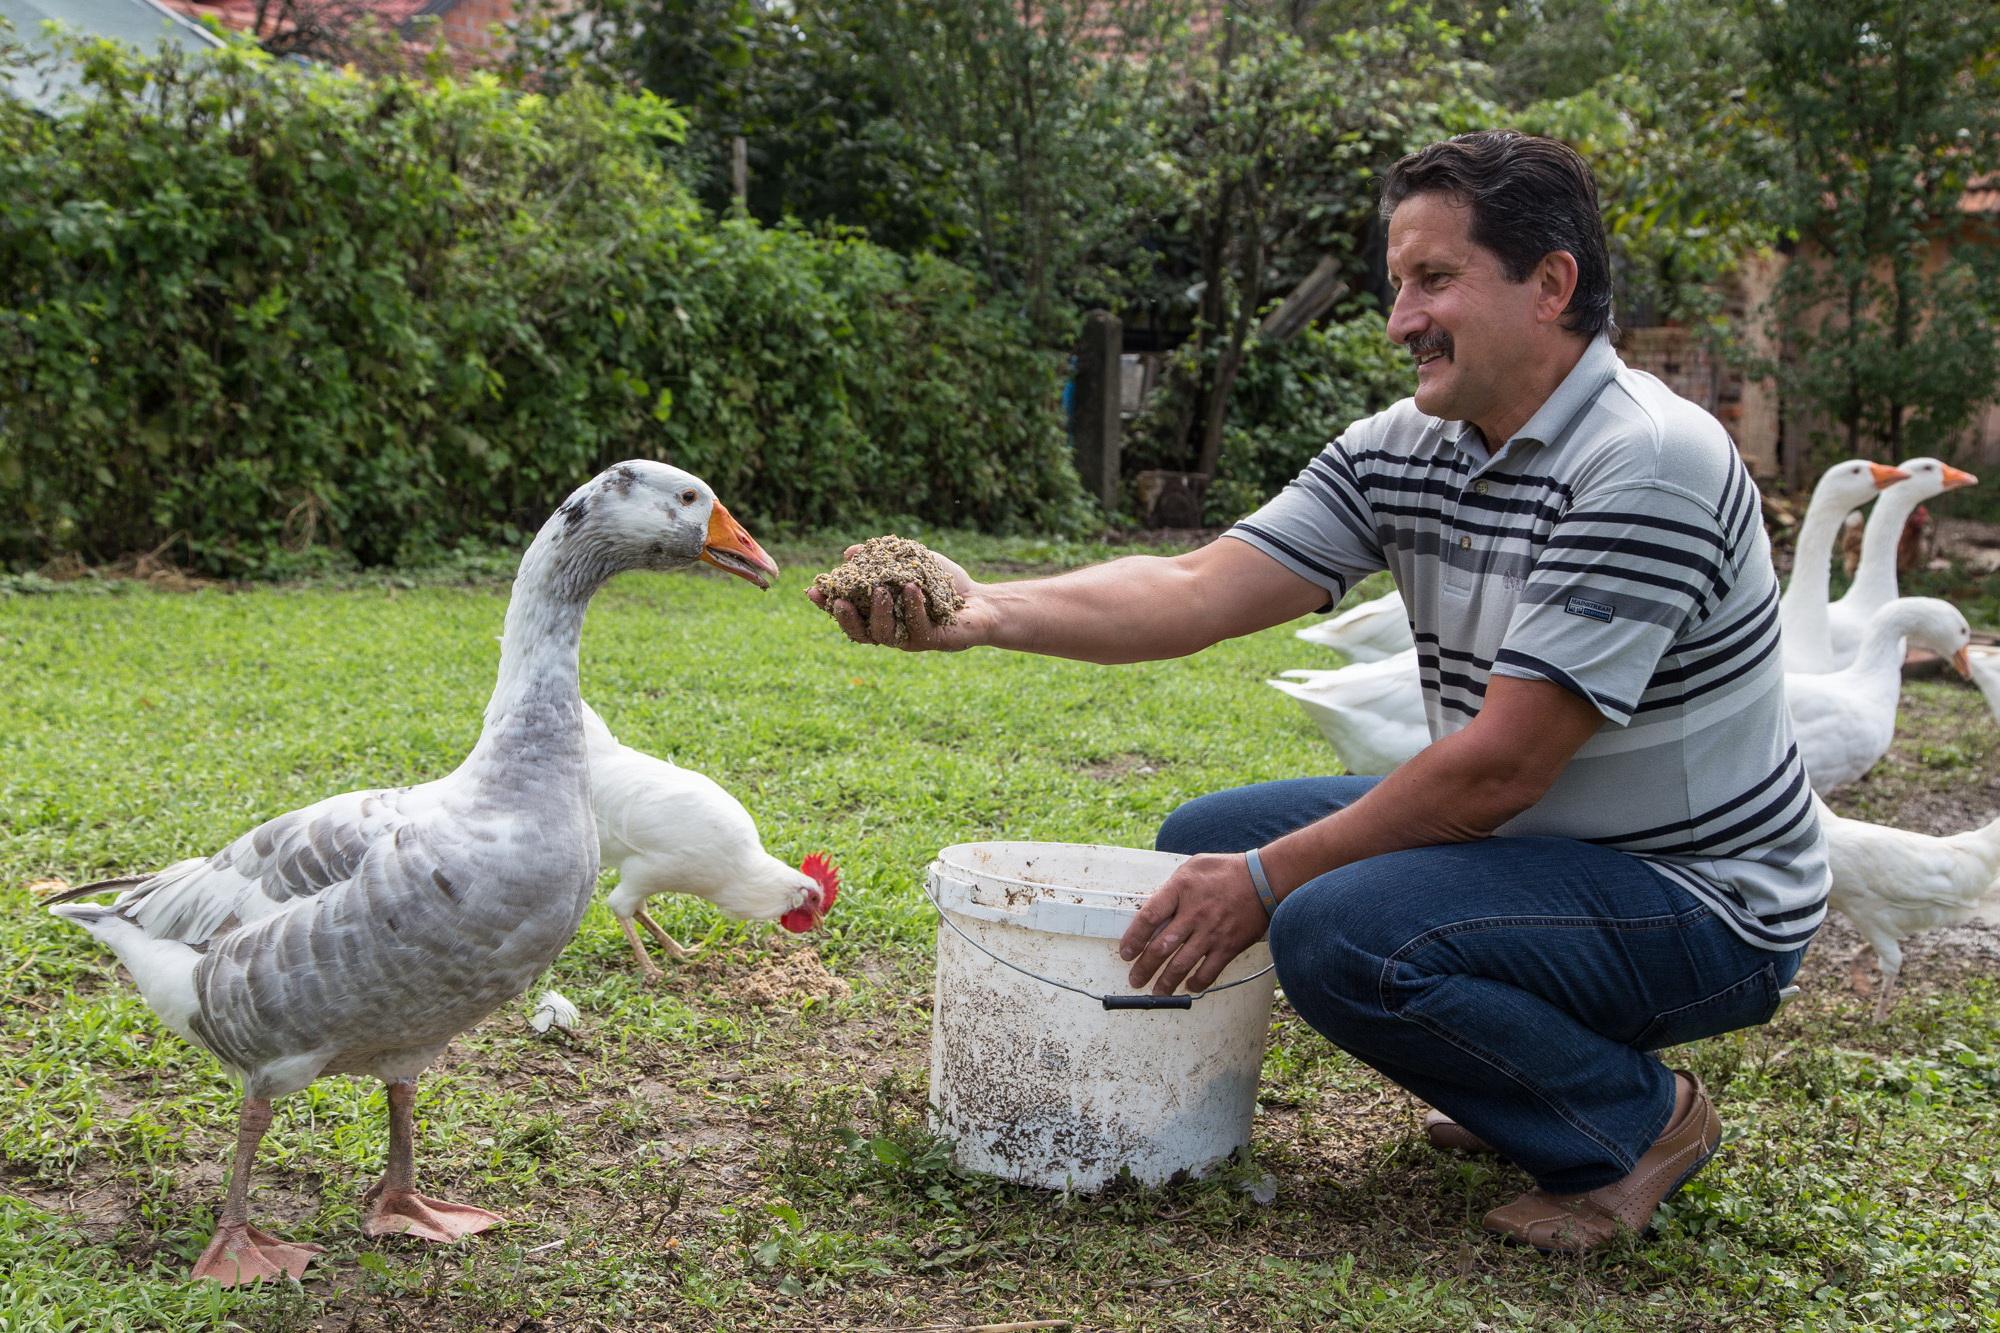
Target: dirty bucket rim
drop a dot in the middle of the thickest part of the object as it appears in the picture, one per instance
(1125, 899)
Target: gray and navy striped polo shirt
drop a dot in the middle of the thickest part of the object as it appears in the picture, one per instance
(1615, 547)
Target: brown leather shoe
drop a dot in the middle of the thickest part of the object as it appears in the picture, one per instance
(1449, 1135)
(1574, 1223)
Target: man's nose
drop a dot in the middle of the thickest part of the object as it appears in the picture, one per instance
(1405, 322)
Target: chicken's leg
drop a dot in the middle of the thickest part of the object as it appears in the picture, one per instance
(1858, 969)
(1886, 998)
(667, 942)
(240, 1252)
(646, 965)
(395, 1207)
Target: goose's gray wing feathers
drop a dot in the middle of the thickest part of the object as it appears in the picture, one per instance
(440, 919)
(269, 870)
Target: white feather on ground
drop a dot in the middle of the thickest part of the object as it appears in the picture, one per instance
(554, 1010)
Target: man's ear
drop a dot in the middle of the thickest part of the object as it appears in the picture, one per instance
(1555, 283)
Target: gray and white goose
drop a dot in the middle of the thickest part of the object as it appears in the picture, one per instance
(359, 935)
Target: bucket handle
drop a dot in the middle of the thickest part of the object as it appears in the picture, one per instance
(1108, 1001)
(1151, 1001)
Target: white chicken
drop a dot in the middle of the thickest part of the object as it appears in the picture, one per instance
(1372, 712)
(1846, 720)
(1892, 883)
(667, 829)
(1366, 633)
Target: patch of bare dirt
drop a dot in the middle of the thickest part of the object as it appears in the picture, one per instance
(152, 567)
(1128, 764)
(1972, 540)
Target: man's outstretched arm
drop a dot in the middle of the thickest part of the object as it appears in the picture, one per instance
(1138, 608)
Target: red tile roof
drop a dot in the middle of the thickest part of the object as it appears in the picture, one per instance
(241, 15)
(1982, 196)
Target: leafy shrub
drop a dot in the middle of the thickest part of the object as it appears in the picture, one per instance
(1290, 400)
(263, 308)
(1294, 397)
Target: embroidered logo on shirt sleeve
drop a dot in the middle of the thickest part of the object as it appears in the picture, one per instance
(1589, 610)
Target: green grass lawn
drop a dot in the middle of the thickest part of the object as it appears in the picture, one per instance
(743, 1145)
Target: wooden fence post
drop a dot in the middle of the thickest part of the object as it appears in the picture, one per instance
(1095, 426)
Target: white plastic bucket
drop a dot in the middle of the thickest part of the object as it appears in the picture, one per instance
(1045, 1087)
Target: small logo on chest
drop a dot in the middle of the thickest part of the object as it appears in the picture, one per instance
(1589, 610)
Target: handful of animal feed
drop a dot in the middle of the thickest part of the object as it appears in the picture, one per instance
(890, 562)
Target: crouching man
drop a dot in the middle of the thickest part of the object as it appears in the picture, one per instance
(1610, 845)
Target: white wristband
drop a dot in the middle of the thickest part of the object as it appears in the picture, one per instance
(1260, 882)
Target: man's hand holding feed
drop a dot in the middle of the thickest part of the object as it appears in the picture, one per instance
(875, 620)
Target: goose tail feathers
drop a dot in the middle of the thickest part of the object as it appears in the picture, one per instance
(91, 890)
(163, 970)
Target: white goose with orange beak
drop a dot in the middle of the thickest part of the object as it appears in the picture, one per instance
(1841, 489)
(1874, 585)
(361, 934)
(1845, 720)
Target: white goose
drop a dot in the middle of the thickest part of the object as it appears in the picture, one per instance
(669, 829)
(1845, 720)
(361, 934)
(1366, 633)
(1842, 488)
(1372, 712)
(1875, 577)
(1984, 659)
(1892, 883)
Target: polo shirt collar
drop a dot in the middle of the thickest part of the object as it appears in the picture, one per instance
(1586, 379)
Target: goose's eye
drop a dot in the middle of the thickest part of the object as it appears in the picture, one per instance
(688, 496)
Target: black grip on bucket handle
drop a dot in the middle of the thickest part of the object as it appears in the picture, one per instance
(1148, 1001)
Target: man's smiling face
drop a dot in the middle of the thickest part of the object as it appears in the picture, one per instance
(1465, 323)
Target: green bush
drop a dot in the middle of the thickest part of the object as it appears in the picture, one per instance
(261, 309)
(1290, 400)
(1293, 397)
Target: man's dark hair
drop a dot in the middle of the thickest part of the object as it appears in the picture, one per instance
(1529, 196)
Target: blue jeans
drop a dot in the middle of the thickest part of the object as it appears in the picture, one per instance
(1516, 984)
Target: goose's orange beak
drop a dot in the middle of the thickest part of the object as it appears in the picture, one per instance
(734, 551)
(1886, 477)
(1961, 662)
(1956, 477)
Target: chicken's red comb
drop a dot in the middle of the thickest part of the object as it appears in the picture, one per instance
(824, 873)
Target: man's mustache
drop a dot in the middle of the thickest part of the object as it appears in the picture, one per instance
(1437, 340)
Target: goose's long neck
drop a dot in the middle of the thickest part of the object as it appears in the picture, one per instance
(1878, 665)
(1814, 554)
(1875, 577)
(536, 713)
